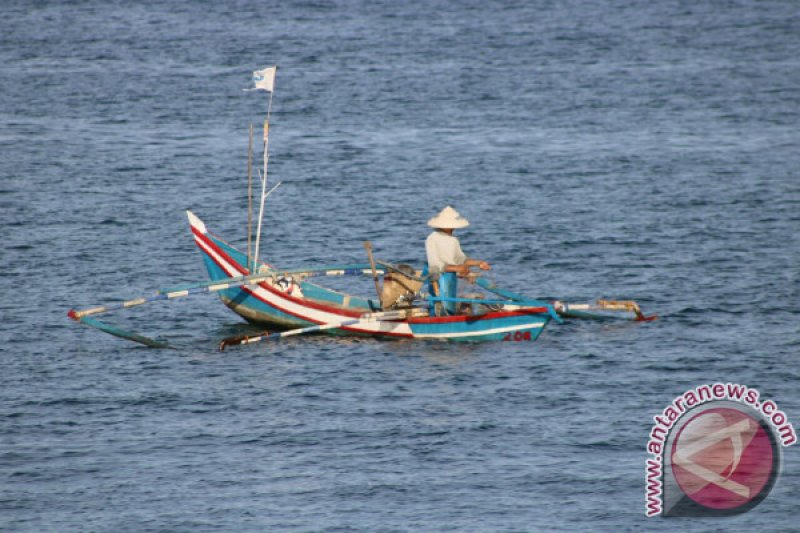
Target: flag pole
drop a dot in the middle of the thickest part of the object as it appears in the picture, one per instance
(263, 179)
(250, 198)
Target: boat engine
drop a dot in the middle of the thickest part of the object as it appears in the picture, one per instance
(398, 288)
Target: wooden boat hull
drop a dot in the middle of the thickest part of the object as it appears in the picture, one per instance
(290, 303)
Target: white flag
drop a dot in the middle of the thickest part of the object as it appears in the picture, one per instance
(265, 79)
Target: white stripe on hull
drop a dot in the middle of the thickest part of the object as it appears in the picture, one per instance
(505, 329)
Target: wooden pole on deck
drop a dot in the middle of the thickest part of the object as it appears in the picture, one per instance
(368, 248)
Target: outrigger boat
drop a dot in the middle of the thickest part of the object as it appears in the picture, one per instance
(406, 306)
(287, 299)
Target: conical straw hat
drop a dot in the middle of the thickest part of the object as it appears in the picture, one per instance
(448, 218)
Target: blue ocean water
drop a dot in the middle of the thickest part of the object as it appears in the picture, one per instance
(625, 149)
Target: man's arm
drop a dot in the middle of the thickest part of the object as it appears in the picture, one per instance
(463, 269)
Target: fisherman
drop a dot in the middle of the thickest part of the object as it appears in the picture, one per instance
(445, 257)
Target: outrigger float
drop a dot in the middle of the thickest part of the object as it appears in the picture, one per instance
(406, 304)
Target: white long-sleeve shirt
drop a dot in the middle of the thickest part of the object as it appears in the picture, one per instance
(442, 250)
